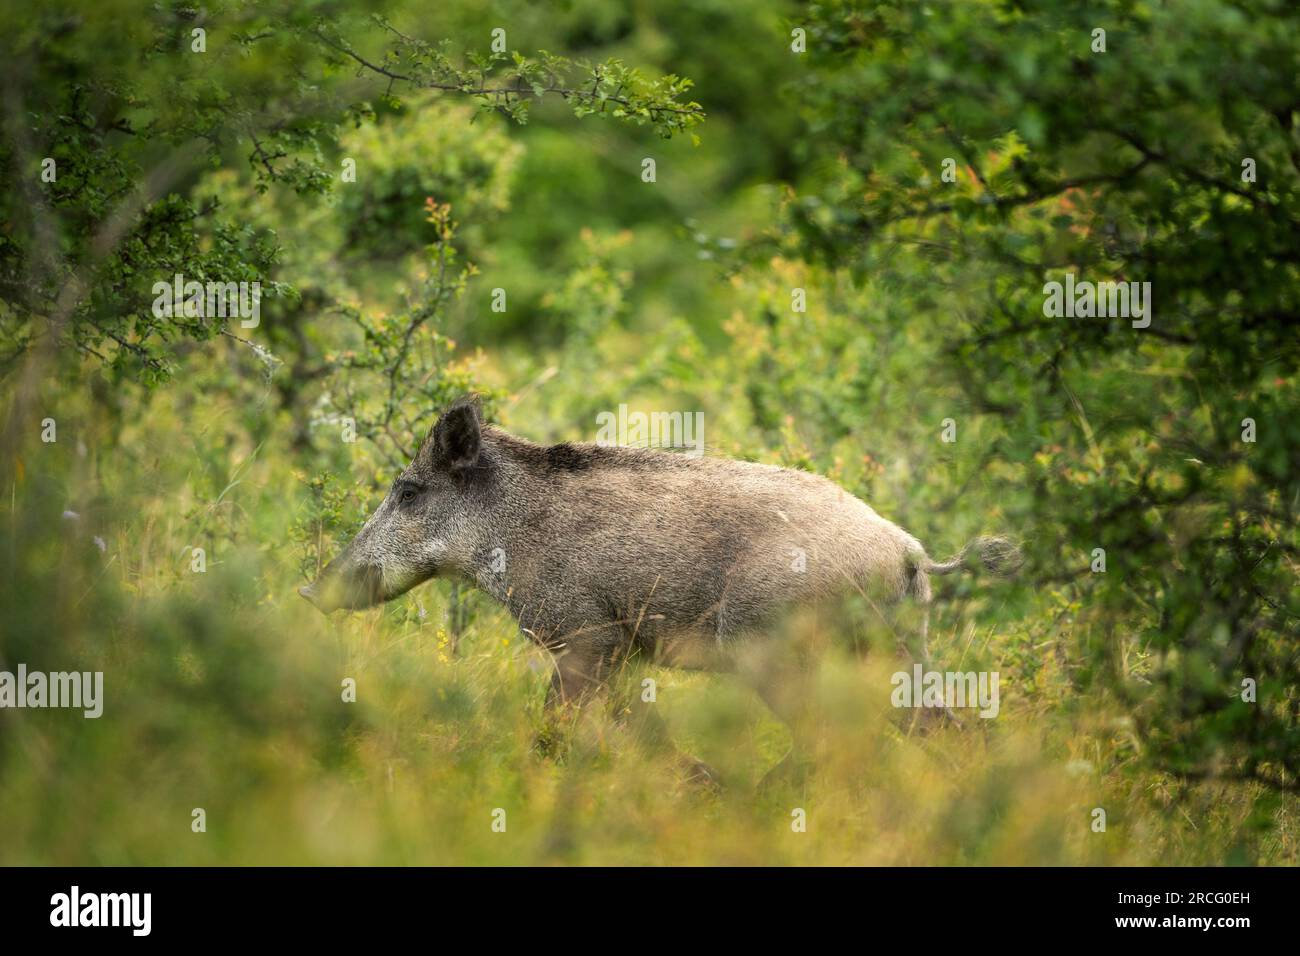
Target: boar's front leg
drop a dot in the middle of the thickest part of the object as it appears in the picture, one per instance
(580, 671)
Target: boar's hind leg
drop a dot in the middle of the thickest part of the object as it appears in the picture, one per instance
(781, 679)
(650, 730)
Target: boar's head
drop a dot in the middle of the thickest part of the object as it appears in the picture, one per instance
(427, 525)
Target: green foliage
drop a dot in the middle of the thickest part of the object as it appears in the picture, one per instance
(265, 76)
(431, 152)
(393, 387)
(1123, 165)
(505, 82)
(320, 523)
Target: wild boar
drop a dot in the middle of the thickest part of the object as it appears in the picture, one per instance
(602, 551)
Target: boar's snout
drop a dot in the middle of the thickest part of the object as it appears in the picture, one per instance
(350, 586)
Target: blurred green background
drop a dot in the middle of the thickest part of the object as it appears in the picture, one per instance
(806, 160)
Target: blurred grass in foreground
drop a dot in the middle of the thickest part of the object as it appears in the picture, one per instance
(223, 691)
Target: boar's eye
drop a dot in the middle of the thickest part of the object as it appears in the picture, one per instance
(407, 490)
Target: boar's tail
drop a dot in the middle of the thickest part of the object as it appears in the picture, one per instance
(998, 555)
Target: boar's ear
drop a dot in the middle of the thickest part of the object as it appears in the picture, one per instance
(457, 437)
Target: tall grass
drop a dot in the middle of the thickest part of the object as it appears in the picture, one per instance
(224, 691)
